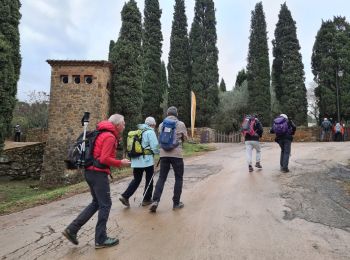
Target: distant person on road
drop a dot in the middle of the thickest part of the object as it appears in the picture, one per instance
(284, 129)
(326, 127)
(18, 133)
(172, 134)
(338, 132)
(97, 178)
(252, 131)
(143, 163)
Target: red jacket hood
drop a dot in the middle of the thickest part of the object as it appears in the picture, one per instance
(106, 125)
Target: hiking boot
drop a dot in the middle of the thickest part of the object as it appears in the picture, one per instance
(284, 170)
(124, 201)
(258, 165)
(70, 236)
(146, 202)
(108, 243)
(180, 205)
(250, 168)
(154, 207)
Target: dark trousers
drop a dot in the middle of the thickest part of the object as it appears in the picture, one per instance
(134, 184)
(285, 145)
(101, 202)
(17, 137)
(178, 167)
(338, 137)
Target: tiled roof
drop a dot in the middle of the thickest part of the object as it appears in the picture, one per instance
(101, 63)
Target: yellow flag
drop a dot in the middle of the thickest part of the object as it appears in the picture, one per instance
(193, 112)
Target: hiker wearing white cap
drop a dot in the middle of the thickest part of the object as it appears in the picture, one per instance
(284, 129)
(143, 163)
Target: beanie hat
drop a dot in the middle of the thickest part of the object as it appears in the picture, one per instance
(172, 111)
(284, 115)
(150, 121)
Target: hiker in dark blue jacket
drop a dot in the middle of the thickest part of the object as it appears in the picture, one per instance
(284, 129)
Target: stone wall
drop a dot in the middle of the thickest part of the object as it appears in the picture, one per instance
(22, 162)
(303, 134)
(202, 135)
(36, 135)
(68, 102)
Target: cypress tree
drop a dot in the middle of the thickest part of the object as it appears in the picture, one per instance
(258, 68)
(241, 77)
(288, 69)
(222, 85)
(10, 62)
(179, 64)
(165, 87)
(126, 92)
(331, 53)
(204, 59)
(152, 51)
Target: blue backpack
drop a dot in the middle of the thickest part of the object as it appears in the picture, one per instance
(167, 137)
(280, 126)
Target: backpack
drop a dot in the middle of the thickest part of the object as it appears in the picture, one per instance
(326, 125)
(248, 125)
(134, 146)
(280, 126)
(76, 159)
(167, 137)
(338, 128)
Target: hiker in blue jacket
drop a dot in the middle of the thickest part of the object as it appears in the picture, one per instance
(284, 129)
(143, 163)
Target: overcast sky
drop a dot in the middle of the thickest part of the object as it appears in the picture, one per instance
(82, 29)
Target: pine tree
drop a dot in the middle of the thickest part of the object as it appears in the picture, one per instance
(152, 51)
(331, 54)
(288, 69)
(126, 92)
(204, 59)
(10, 62)
(222, 86)
(258, 68)
(179, 64)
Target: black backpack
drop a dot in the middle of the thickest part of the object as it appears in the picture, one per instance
(77, 158)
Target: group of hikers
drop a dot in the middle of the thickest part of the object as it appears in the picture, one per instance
(252, 131)
(172, 133)
(332, 131)
(142, 145)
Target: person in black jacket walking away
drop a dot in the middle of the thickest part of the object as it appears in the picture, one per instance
(252, 131)
(284, 129)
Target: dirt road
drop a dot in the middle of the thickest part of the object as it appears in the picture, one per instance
(229, 213)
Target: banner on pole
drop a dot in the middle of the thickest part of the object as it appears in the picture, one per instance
(193, 112)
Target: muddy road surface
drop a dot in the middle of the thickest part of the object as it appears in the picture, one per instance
(228, 214)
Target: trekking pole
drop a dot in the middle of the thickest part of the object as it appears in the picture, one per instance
(149, 184)
(84, 122)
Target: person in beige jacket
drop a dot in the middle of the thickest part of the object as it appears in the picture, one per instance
(171, 156)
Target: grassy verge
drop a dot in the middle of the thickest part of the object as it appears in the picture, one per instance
(19, 195)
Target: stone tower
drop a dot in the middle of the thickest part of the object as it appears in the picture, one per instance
(76, 87)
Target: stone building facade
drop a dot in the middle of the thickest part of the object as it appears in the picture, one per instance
(76, 87)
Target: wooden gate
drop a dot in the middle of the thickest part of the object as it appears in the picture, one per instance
(227, 138)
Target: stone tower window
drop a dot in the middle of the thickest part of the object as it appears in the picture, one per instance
(64, 79)
(88, 79)
(76, 79)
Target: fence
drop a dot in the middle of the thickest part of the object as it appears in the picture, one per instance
(221, 137)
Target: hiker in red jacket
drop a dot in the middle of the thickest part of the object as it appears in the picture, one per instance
(97, 178)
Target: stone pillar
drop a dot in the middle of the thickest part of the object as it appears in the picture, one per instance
(76, 87)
